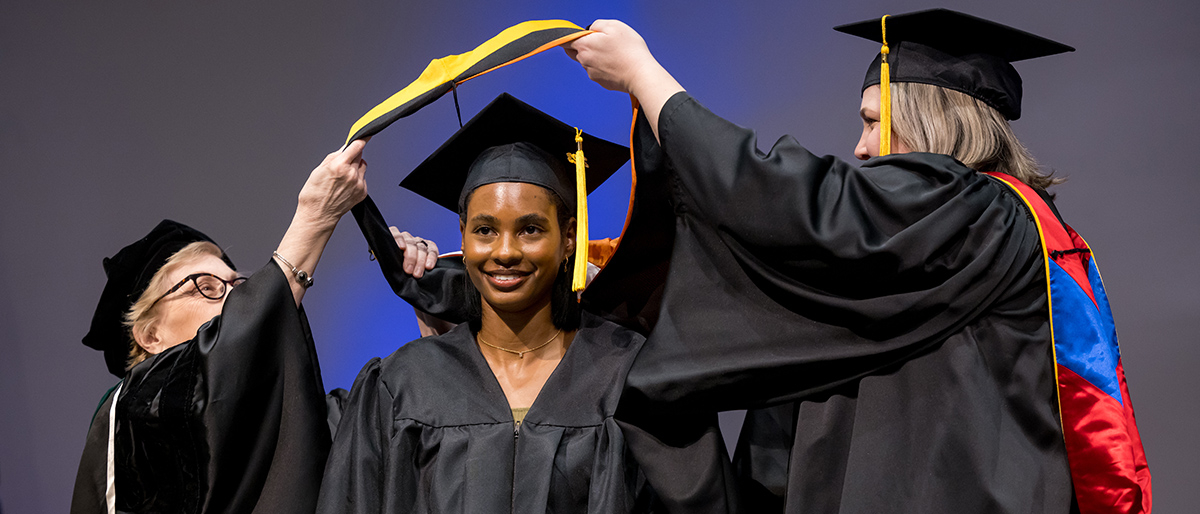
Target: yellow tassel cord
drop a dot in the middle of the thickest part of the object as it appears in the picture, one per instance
(579, 280)
(885, 96)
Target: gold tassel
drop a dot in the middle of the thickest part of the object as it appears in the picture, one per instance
(581, 217)
(885, 96)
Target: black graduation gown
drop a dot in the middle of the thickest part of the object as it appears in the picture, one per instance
(428, 429)
(896, 314)
(231, 421)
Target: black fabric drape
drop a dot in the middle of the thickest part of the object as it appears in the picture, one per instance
(441, 291)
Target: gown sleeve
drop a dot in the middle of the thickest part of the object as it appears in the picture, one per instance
(791, 274)
(355, 470)
(265, 416)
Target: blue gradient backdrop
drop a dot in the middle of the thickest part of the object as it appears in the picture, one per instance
(115, 115)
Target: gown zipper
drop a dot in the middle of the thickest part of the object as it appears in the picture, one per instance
(512, 502)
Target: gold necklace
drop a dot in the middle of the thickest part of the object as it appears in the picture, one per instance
(518, 353)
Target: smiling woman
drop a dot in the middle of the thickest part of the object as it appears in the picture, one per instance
(511, 411)
(515, 243)
(515, 250)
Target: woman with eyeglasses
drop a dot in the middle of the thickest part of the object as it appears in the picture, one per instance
(221, 406)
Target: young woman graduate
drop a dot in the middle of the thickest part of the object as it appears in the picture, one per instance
(511, 411)
(221, 406)
(901, 311)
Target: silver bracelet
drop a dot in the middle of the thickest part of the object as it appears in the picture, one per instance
(305, 280)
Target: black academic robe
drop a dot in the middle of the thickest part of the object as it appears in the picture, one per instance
(231, 421)
(893, 314)
(428, 429)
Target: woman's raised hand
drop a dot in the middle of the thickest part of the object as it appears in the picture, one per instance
(616, 57)
(613, 56)
(420, 254)
(334, 186)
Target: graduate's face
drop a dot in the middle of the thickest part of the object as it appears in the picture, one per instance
(181, 313)
(868, 143)
(513, 246)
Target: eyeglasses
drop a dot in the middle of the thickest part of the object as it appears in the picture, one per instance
(210, 286)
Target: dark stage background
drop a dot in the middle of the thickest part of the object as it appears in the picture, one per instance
(114, 115)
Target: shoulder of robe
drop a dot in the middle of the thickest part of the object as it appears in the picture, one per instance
(602, 330)
(426, 355)
(369, 372)
(935, 167)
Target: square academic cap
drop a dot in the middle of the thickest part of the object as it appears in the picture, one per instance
(484, 151)
(956, 51)
(510, 141)
(129, 273)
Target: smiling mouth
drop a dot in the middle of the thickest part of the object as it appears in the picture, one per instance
(507, 279)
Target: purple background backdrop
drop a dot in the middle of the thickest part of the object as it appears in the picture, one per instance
(117, 114)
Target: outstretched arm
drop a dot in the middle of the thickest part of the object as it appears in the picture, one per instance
(616, 57)
(333, 187)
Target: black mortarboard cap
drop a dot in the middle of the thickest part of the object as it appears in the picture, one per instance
(129, 273)
(510, 141)
(956, 51)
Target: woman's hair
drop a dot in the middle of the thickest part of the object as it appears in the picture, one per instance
(934, 119)
(143, 314)
(564, 305)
